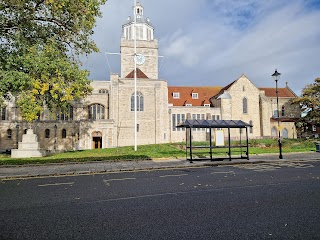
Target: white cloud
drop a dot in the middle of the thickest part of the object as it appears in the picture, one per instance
(212, 42)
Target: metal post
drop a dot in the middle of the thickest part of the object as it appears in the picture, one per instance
(240, 143)
(229, 143)
(186, 143)
(247, 141)
(135, 75)
(210, 143)
(279, 137)
(190, 129)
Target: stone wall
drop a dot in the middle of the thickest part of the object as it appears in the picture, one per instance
(152, 121)
(148, 48)
(232, 101)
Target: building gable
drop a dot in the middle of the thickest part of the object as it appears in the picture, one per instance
(140, 74)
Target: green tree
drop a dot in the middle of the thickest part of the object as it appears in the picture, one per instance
(309, 103)
(53, 81)
(40, 45)
(69, 22)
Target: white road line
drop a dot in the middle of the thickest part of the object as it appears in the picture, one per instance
(177, 175)
(55, 184)
(184, 192)
(222, 172)
(119, 179)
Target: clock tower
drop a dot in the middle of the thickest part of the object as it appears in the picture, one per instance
(146, 45)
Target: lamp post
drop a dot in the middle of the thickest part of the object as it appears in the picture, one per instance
(276, 77)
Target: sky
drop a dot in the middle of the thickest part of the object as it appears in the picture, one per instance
(214, 42)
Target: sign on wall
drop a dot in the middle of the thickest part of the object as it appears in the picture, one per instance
(219, 138)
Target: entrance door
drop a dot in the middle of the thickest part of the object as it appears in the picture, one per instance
(96, 140)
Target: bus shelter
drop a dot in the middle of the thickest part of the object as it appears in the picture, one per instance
(241, 148)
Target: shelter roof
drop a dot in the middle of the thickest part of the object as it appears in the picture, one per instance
(214, 124)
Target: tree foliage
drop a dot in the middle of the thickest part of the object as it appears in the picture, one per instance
(52, 79)
(69, 22)
(40, 42)
(310, 103)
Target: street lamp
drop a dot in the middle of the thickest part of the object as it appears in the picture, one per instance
(276, 77)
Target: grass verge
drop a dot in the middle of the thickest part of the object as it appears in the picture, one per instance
(156, 151)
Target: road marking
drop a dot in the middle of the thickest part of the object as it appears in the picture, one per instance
(184, 192)
(177, 175)
(258, 167)
(273, 166)
(296, 165)
(119, 179)
(55, 184)
(231, 172)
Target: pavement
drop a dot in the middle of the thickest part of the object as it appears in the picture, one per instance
(46, 170)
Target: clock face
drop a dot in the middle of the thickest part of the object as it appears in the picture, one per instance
(140, 59)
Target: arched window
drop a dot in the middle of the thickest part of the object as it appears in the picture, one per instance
(3, 113)
(251, 128)
(66, 115)
(140, 104)
(282, 110)
(9, 134)
(274, 132)
(47, 133)
(245, 105)
(25, 131)
(96, 111)
(285, 133)
(64, 133)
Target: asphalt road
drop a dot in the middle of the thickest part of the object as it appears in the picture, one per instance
(247, 201)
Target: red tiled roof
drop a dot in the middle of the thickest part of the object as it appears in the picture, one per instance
(140, 74)
(282, 92)
(223, 89)
(204, 94)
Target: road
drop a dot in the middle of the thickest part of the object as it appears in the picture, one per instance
(245, 201)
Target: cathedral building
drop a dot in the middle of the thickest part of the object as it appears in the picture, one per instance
(106, 118)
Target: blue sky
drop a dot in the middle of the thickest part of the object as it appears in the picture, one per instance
(214, 42)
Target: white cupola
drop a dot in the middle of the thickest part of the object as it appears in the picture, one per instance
(138, 10)
(144, 28)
